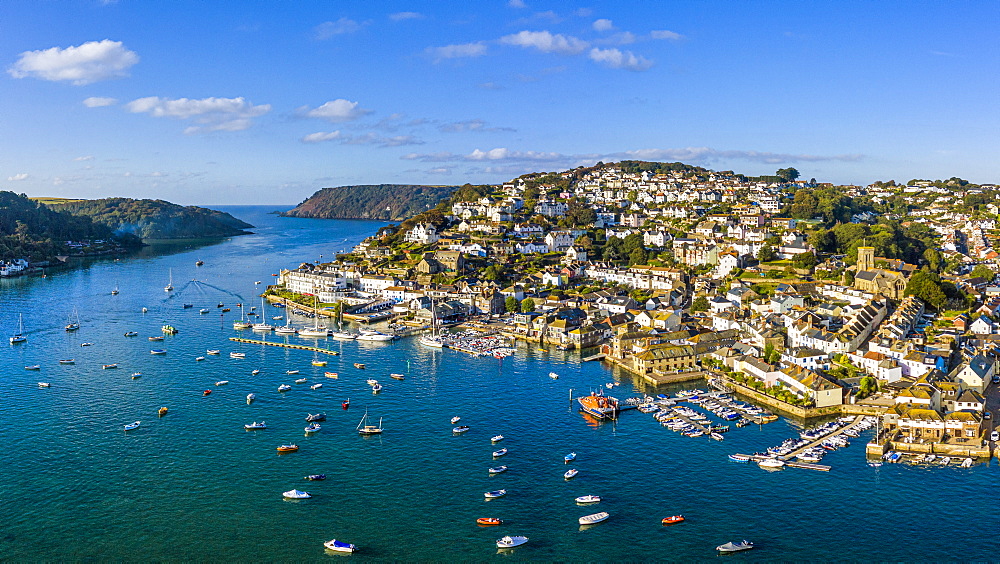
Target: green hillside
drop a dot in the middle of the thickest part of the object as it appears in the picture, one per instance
(390, 202)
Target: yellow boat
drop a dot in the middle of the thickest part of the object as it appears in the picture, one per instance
(162, 411)
(319, 363)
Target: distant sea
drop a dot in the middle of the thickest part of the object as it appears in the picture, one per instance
(193, 485)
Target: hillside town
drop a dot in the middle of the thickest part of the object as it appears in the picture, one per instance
(812, 298)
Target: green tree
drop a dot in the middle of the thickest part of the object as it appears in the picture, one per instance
(527, 305)
(787, 174)
(805, 260)
(512, 305)
(638, 256)
(700, 304)
(983, 271)
(766, 254)
(493, 273)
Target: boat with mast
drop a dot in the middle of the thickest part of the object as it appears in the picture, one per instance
(340, 334)
(263, 325)
(433, 340)
(170, 284)
(74, 325)
(242, 322)
(365, 429)
(315, 331)
(19, 336)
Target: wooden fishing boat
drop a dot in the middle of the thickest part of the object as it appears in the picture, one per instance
(288, 448)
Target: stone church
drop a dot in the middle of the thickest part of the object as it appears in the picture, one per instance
(867, 278)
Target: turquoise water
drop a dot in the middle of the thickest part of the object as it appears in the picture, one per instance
(194, 485)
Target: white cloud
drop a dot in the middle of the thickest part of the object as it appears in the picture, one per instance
(476, 49)
(18, 177)
(369, 138)
(338, 110)
(516, 4)
(99, 102)
(546, 42)
(664, 34)
(90, 62)
(84, 158)
(470, 125)
(603, 25)
(212, 114)
(326, 30)
(401, 16)
(321, 136)
(616, 59)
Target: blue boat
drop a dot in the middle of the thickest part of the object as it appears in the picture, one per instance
(339, 546)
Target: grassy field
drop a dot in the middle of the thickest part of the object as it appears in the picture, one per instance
(56, 200)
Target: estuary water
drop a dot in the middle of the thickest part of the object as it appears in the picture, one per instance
(194, 485)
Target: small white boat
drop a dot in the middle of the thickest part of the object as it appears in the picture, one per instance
(202, 310)
(237, 355)
(946, 461)
(199, 358)
(594, 518)
(158, 351)
(570, 457)
(301, 381)
(132, 426)
(339, 546)
(376, 388)
(296, 494)
(371, 381)
(498, 470)
(222, 382)
(136, 375)
(770, 463)
(588, 499)
(316, 386)
(716, 436)
(251, 397)
(496, 439)
(290, 372)
(313, 427)
(255, 425)
(33, 367)
(495, 494)
(44, 385)
(213, 351)
(68, 361)
(455, 420)
(511, 542)
(553, 375)
(343, 336)
(499, 453)
(460, 429)
(735, 546)
(131, 333)
(86, 344)
(966, 463)
(571, 473)
(255, 372)
(284, 388)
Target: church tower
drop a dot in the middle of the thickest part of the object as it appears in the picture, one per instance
(866, 258)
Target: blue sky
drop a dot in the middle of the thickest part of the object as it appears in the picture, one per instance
(266, 102)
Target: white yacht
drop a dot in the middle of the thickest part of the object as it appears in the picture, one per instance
(368, 335)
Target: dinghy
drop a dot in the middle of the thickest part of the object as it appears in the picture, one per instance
(594, 518)
(511, 542)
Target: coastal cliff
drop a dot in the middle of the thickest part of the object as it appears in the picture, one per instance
(155, 219)
(390, 202)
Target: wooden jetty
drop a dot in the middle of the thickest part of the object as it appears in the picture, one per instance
(789, 463)
(285, 345)
(598, 356)
(793, 454)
